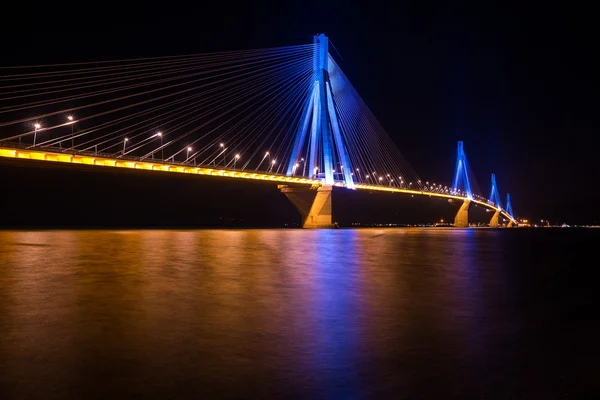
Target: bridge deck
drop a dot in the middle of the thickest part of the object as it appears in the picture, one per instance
(55, 155)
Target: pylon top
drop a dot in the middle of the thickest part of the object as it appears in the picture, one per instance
(461, 172)
(321, 54)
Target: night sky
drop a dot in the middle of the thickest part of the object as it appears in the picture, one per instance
(514, 83)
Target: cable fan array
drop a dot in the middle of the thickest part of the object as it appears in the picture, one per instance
(220, 108)
(237, 110)
(375, 159)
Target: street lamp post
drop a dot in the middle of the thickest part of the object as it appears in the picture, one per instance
(237, 156)
(189, 149)
(214, 160)
(159, 134)
(272, 165)
(162, 151)
(72, 123)
(261, 161)
(124, 143)
(35, 127)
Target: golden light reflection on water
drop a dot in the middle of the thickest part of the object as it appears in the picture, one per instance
(151, 312)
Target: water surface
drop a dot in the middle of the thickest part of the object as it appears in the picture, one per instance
(308, 314)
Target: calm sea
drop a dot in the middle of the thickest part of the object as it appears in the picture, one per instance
(300, 314)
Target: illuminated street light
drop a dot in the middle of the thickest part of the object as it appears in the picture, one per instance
(214, 160)
(272, 165)
(237, 156)
(162, 151)
(358, 174)
(71, 122)
(36, 126)
(261, 161)
(303, 167)
(124, 143)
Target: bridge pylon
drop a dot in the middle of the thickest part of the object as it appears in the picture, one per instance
(461, 173)
(313, 203)
(509, 211)
(325, 144)
(494, 222)
(461, 220)
(461, 179)
(495, 199)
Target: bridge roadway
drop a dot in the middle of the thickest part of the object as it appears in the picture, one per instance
(53, 154)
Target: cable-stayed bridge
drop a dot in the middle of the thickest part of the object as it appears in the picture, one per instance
(287, 115)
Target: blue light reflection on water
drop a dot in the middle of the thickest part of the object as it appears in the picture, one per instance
(335, 314)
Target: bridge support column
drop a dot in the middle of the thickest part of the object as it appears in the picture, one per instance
(314, 204)
(462, 216)
(494, 221)
(510, 224)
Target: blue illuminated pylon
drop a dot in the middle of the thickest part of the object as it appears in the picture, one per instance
(461, 173)
(509, 209)
(325, 132)
(494, 195)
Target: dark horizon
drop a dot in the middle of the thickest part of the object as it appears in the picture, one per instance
(512, 83)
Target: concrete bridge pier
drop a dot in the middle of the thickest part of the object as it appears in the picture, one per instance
(494, 221)
(462, 216)
(510, 224)
(313, 203)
